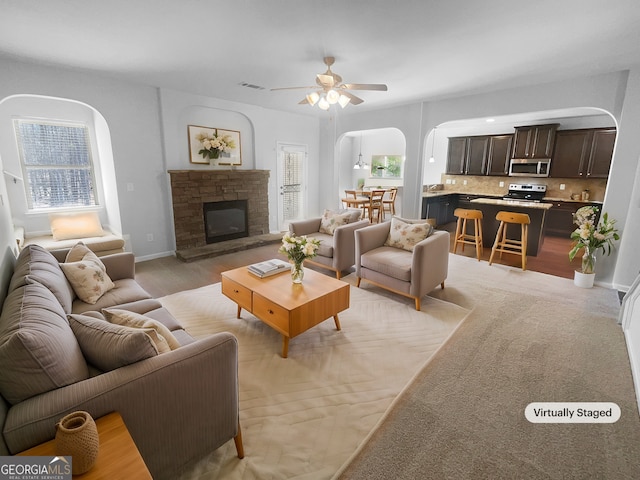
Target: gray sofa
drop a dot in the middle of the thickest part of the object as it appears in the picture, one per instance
(337, 251)
(178, 405)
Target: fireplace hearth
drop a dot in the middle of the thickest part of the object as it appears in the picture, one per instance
(226, 220)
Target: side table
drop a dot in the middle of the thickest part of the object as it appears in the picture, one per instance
(118, 457)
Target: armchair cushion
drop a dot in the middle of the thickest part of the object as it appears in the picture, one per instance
(406, 234)
(390, 261)
(331, 220)
(326, 245)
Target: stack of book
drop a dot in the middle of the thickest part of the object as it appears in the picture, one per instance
(270, 267)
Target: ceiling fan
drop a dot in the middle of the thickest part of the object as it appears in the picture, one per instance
(330, 89)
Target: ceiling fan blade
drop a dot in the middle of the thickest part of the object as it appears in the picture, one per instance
(304, 101)
(354, 100)
(293, 88)
(365, 86)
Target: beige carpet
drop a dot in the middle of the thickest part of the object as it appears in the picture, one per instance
(530, 338)
(302, 417)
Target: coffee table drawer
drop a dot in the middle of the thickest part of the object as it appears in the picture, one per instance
(238, 293)
(271, 314)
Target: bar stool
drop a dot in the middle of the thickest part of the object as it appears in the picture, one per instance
(462, 236)
(509, 245)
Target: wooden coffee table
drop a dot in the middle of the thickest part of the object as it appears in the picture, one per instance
(288, 308)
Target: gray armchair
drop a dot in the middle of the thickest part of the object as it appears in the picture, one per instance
(412, 274)
(337, 251)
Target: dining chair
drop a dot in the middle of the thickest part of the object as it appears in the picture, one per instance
(389, 201)
(376, 207)
(352, 200)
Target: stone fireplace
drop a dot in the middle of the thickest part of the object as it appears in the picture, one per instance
(192, 189)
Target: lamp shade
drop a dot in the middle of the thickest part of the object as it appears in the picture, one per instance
(343, 100)
(324, 104)
(332, 97)
(313, 98)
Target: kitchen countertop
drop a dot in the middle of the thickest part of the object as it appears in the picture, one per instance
(440, 193)
(513, 203)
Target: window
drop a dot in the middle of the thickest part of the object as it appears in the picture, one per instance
(386, 166)
(56, 164)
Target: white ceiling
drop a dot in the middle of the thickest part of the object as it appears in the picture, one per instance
(422, 49)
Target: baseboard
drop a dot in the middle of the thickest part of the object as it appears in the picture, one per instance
(154, 256)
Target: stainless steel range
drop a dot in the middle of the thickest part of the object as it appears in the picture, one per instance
(526, 192)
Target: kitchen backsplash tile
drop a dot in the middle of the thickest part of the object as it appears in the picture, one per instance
(489, 185)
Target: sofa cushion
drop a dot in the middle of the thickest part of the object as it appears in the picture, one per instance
(108, 346)
(37, 265)
(86, 274)
(405, 234)
(65, 226)
(330, 221)
(137, 320)
(390, 261)
(38, 350)
(126, 290)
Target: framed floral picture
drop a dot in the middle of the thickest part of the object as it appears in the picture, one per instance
(197, 136)
(231, 154)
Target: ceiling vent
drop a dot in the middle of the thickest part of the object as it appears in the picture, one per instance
(251, 85)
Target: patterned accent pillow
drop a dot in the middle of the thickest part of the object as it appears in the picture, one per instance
(136, 320)
(405, 234)
(330, 221)
(86, 274)
(108, 346)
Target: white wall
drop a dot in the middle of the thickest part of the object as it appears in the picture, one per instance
(132, 115)
(260, 131)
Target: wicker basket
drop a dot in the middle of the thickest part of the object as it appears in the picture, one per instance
(77, 436)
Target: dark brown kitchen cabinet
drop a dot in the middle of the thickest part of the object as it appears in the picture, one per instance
(468, 155)
(457, 155)
(476, 161)
(499, 154)
(584, 153)
(601, 153)
(560, 218)
(534, 141)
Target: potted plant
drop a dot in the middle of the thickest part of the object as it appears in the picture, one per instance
(590, 237)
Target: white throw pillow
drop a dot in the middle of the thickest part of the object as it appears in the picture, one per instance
(136, 320)
(75, 225)
(86, 274)
(330, 221)
(405, 234)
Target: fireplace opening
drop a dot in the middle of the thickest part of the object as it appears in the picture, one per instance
(225, 220)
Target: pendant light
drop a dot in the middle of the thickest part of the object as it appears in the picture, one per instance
(360, 164)
(433, 142)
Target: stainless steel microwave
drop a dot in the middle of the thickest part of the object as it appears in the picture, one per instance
(529, 167)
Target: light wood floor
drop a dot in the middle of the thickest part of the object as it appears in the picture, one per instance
(167, 275)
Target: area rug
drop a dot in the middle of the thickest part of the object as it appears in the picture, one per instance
(530, 338)
(303, 416)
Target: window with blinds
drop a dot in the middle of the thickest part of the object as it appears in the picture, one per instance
(56, 164)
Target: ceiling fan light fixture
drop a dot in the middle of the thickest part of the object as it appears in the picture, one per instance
(332, 97)
(343, 100)
(313, 98)
(323, 104)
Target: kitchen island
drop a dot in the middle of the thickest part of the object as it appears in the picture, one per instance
(536, 211)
